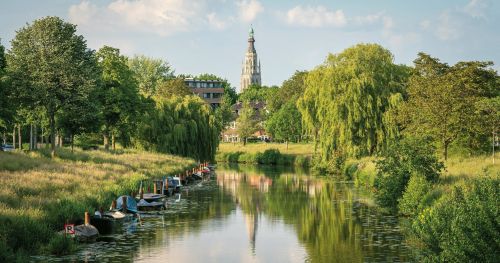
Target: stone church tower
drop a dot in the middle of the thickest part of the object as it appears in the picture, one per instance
(250, 72)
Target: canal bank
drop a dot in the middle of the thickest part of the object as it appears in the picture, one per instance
(258, 214)
(38, 195)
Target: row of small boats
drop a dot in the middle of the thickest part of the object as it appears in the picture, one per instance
(127, 208)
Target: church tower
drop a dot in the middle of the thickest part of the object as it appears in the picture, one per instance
(250, 72)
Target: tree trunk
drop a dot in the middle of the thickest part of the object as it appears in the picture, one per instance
(286, 145)
(52, 123)
(106, 140)
(113, 141)
(42, 136)
(14, 137)
(61, 140)
(244, 141)
(35, 136)
(72, 142)
(31, 137)
(20, 137)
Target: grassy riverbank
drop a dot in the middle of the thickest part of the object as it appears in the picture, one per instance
(38, 194)
(266, 153)
(457, 168)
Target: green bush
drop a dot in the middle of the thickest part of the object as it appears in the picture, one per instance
(411, 201)
(463, 226)
(270, 156)
(406, 157)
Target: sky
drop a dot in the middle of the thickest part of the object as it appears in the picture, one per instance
(210, 36)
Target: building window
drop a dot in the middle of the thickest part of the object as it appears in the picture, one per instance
(216, 95)
(206, 95)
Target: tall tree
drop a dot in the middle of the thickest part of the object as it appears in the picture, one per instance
(290, 90)
(50, 66)
(150, 73)
(119, 97)
(79, 117)
(286, 123)
(346, 98)
(173, 87)
(180, 125)
(5, 105)
(441, 99)
(247, 121)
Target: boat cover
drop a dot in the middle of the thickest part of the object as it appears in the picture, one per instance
(131, 204)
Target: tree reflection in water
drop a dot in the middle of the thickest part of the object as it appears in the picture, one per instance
(334, 221)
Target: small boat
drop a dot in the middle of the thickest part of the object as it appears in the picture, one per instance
(86, 233)
(130, 201)
(116, 214)
(211, 167)
(144, 205)
(151, 197)
(176, 184)
(105, 224)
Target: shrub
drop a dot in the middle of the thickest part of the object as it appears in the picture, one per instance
(409, 156)
(462, 227)
(411, 201)
(270, 156)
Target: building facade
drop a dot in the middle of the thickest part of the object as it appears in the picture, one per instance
(231, 134)
(250, 72)
(210, 90)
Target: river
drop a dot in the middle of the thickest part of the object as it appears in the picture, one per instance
(257, 214)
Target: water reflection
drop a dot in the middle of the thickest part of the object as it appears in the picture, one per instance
(257, 214)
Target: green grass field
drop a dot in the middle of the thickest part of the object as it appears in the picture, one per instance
(293, 148)
(38, 194)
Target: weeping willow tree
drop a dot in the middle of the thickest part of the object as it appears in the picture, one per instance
(183, 126)
(348, 101)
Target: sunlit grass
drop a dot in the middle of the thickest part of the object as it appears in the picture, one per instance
(49, 192)
(293, 148)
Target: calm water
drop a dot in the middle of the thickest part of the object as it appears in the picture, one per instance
(257, 214)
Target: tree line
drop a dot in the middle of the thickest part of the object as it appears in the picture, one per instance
(54, 84)
(359, 101)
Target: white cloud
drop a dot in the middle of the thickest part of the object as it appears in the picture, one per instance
(425, 24)
(249, 9)
(162, 17)
(82, 13)
(318, 16)
(448, 27)
(476, 8)
(215, 22)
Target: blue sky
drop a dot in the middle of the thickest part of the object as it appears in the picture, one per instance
(209, 36)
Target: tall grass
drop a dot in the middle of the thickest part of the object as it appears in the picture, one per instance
(38, 194)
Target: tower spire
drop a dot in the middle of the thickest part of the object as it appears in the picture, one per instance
(251, 66)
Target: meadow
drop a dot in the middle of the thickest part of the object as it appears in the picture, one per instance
(38, 194)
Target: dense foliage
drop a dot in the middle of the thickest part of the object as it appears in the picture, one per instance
(180, 125)
(404, 159)
(442, 101)
(347, 99)
(50, 67)
(463, 226)
(285, 124)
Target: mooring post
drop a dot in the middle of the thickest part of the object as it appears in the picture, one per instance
(87, 218)
(154, 187)
(113, 205)
(141, 193)
(124, 204)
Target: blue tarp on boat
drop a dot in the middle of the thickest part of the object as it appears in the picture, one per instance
(131, 204)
